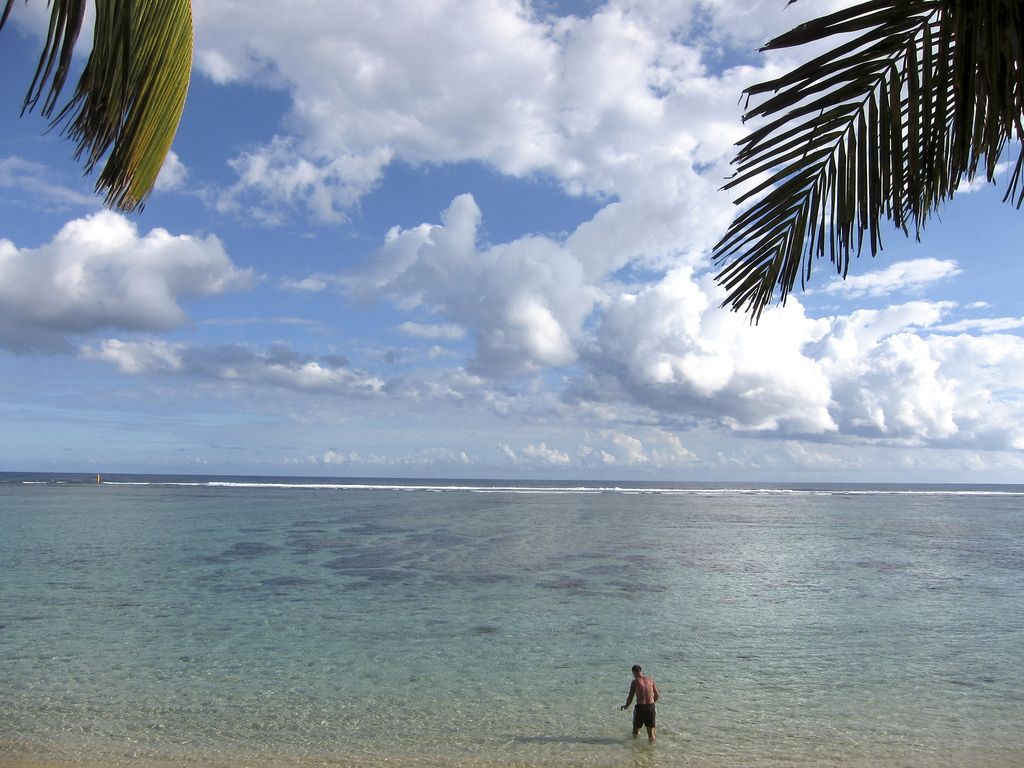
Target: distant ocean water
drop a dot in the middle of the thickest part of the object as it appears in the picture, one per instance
(282, 621)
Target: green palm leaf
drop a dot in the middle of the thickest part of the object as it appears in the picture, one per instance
(130, 95)
(919, 94)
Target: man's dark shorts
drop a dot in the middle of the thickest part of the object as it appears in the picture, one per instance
(643, 716)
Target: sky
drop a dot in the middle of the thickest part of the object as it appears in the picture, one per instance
(449, 239)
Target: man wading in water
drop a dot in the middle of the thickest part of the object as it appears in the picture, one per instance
(646, 692)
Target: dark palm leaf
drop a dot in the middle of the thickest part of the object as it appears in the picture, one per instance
(919, 94)
(130, 96)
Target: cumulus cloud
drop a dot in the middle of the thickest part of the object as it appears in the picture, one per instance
(623, 103)
(985, 375)
(279, 366)
(390, 84)
(276, 180)
(535, 455)
(619, 105)
(912, 275)
(648, 448)
(524, 302)
(885, 380)
(99, 272)
(669, 346)
(172, 175)
(653, 449)
(545, 455)
(332, 456)
(137, 357)
(871, 375)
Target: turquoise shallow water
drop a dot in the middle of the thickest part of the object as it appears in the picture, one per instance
(255, 622)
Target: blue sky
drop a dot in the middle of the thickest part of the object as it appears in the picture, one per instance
(471, 240)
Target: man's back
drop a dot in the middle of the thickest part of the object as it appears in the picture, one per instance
(645, 689)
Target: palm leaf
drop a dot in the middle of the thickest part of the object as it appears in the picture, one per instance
(919, 94)
(130, 96)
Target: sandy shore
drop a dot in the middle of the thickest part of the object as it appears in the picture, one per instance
(643, 757)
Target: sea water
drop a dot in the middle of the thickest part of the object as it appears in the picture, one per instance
(246, 621)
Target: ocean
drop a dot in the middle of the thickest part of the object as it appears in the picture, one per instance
(215, 621)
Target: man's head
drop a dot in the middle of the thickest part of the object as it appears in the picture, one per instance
(637, 670)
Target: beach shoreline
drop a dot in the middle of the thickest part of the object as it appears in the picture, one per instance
(639, 754)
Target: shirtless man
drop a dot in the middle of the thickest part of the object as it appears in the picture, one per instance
(646, 692)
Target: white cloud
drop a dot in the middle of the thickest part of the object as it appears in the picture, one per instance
(654, 448)
(312, 284)
(912, 275)
(885, 381)
(98, 272)
(895, 390)
(172, 174)
(619, 104)
(436, 352)
(979, 182)
(667, 348)
(446, 331)
(817, 457)
(275, 180)
(545, 455)
(615, 105)
(983, 325)
(894, 379)
(265, 320)
(33, 184)
(335, 457)
(670, 347)
(648, 449)
(872, 375)
(392, 71)
(524, 302)
(420, 459)
(986, 374)
(278, 366)
(138, 357)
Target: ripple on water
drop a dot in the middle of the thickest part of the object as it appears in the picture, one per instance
(243, 550)
(287, 581)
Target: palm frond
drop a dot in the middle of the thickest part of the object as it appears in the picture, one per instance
(131, 94)
(919, 94)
